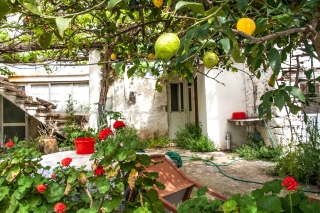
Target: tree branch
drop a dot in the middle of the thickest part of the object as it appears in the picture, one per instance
(254, 40)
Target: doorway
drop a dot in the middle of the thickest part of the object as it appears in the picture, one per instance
(181, 106)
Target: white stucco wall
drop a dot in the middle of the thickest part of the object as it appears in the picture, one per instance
(148, 112)
(217, 102)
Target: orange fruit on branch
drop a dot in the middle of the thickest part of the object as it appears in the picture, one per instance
(113, 57)
(158, 3)
(246, 25)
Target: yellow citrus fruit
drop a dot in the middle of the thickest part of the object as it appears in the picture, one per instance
(151, 57)
(210, 59)
(246, 25)
(158, 3)
(167, 45)
(113, 57)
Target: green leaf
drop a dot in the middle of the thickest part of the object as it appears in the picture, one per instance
(294, 109)
(34, 200)
(3, 192)
(242, 5)
(131, 70)
(13, 172)
(45, 40)
(279, 101)
(296, 92)
(195, 7)
(62, 24)
(247, 204)
(72, 177)
(4, 8)
(12, 206)
(217, 10)
(113, 3)
(201, 191)
(32, 6)
(226, 45)
(25, 181)
(24, 208)
(201, 32)
(308, 49)
(312, 207)
(237, 55)
(118, 67)
(274, 60)
(274, 186)
(54, 192)
(103, 185)
(308, 73)
(87, 211)
(270, 203)
(229, 205)
(111, 205)
(283, 18)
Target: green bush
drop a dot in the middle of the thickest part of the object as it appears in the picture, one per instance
(190, 137)
(302, 159)
(257, 151)
(158, 141)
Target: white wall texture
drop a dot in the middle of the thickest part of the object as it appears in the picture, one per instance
(148, 112)
(277, 130)
(217, 102)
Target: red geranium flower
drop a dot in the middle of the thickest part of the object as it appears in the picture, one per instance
(290, 183)
(41, 188)
(105, 133)
(60, 208)
(66, 161)
(53, 176)
(99, 171)
(118, 124)
(9, 144)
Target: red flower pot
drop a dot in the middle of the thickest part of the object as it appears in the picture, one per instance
(239, 115)
(84, 145)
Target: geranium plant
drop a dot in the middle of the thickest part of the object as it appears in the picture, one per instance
(264, 200)
(116, 175)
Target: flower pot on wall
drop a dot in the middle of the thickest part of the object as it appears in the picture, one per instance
(48, 145)
(84, 145)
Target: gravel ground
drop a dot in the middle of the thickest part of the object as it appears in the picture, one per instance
(210, 176)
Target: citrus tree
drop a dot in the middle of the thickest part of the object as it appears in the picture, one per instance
(260, 33)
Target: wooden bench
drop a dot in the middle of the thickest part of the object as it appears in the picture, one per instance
(178, 185)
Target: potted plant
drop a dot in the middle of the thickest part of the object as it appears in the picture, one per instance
(48, 142)
(84, 140)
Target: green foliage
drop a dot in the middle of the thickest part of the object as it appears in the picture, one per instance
(158, 141)
(258, 151)
(266, 199)
(80, 189)
(190, 137)
(302, 159)
(72, 129)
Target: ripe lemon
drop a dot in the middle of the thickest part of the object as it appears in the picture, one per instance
(167, 45)
(246, 25)
(151, 57)
(210, 59)
(113, 57)
(158, 3)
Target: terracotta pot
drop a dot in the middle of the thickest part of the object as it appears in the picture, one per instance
(84, 145)
(48, 145)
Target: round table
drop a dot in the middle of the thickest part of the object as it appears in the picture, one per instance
(53, 159)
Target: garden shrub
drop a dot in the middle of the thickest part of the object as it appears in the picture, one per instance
(256, 149)
(190, 137)
(302, 158)
(158, 141)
